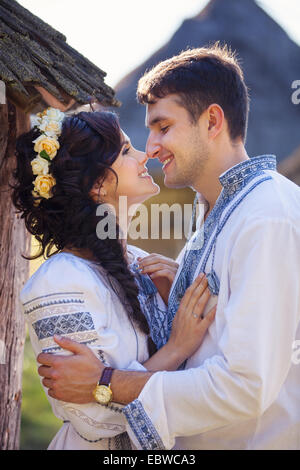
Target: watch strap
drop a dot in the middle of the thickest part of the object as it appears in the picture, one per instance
(106, 376)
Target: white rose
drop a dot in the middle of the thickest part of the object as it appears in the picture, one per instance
(50, 128)
(35, 121)
(40, 166)
(54, 114)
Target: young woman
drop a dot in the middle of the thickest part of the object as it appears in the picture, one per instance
(90, 289)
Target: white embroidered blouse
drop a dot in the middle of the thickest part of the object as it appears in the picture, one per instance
(71, 297)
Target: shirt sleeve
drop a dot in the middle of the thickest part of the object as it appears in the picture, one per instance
(258, 326)
(78, 306)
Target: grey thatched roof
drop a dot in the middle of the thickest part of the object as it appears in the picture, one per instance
(270, 60)
(33, 53)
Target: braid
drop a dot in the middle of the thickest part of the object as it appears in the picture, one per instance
(111, 257)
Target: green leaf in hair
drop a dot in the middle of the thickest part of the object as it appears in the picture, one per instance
(45, 155)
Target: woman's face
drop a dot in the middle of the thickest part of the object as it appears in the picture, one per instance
(134, 182)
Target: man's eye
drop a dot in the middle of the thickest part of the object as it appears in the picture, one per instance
(164, 129)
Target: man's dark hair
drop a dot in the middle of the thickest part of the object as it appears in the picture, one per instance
(201, 77)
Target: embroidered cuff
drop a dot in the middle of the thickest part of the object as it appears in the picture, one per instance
(142, 427)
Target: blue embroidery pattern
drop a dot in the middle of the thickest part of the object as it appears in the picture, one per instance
(142, 426)
(51, 295)
(156, 317)
(63, 324)
(60, 313)
(233, 181)
(212, 278)
(237, 177)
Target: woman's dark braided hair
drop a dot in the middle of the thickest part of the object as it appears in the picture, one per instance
(89, 144)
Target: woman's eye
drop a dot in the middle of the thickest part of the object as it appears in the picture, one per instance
(126, 150)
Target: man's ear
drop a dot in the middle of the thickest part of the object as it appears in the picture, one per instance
(216, 118)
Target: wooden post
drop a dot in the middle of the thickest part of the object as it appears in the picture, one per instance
(13, 273)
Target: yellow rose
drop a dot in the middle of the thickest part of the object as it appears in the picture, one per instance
(43, 185)
(49, 144)
(40, 166)
(40, 115)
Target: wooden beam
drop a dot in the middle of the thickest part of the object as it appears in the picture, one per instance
(14, 241)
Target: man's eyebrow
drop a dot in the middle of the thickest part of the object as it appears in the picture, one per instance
(156, 120)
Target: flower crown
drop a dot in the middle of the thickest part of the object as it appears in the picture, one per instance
(49, 122)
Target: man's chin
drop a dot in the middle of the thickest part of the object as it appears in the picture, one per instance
(174, 184)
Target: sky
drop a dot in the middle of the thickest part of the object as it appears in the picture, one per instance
(118, 35)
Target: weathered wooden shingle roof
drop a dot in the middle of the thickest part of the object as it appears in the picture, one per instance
(33, 53)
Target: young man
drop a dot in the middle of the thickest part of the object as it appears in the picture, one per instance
(240, 389)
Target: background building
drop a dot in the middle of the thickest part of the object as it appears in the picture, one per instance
(271, 63)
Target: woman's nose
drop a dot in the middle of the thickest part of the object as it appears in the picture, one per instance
(142, 158)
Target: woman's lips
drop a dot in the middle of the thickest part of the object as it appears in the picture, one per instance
(144, 175)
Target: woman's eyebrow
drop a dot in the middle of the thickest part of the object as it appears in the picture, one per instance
(125, 142)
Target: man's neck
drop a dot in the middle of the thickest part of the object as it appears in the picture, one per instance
(208, 184)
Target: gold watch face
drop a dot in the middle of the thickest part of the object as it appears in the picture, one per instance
(103, 394)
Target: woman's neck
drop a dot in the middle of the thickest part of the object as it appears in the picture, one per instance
(81, 253)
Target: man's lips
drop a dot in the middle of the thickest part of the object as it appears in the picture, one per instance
(166, 160)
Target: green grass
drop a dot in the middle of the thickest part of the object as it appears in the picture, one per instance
(38, 423)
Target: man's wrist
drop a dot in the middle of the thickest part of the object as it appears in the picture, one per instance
(127, 385)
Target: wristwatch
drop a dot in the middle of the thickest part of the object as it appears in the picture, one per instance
(103, 392)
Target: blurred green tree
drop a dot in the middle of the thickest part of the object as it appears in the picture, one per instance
(38, 423)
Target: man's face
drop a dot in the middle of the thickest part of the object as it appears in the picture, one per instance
(178, 143)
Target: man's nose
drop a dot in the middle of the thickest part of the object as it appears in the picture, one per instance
(152, 148)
